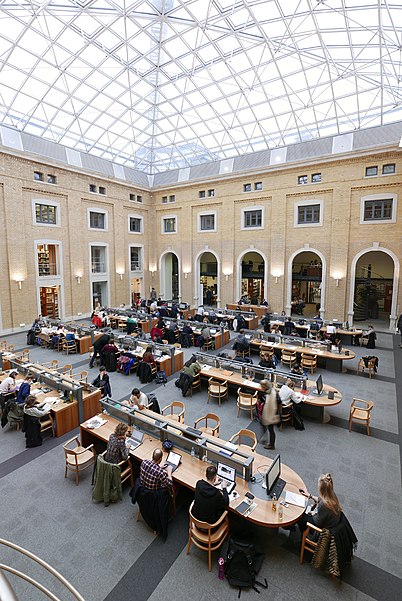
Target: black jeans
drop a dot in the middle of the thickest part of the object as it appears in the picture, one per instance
(271, 431)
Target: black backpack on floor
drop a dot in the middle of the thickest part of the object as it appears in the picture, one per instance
(242, 565)
(160, 377)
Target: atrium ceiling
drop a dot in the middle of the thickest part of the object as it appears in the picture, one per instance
(165, 84)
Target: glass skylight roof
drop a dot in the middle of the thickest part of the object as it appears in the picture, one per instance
(161, 84)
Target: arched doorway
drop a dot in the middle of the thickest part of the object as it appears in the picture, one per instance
(307, 284)
(170, 282)
(207, 278)
(252, 276)
(373, 286)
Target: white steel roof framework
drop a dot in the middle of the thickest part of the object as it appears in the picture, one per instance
(162, 84)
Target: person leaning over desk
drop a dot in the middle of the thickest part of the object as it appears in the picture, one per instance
(152, 475)
(33, 411)
(137, 399)
(116, 447)
(210, 502)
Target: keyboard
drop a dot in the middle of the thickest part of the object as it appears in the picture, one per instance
(278, 488)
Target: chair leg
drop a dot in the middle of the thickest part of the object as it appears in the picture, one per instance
(209, 560)
(189, 543)
(301, 557)
(76, 478)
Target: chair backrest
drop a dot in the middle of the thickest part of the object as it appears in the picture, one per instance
(245, 437)
(221, 385)
(54, 364)
(286, 353)
(68, 369)
(84, 376)
(362, 405)
(171, 407)
(208, 418)
(203, 527)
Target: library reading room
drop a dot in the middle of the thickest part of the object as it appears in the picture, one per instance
(201, 308)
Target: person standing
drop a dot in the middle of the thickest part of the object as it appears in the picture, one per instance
(98, 347)
(270, 412)
(399, 328)
(153, 294)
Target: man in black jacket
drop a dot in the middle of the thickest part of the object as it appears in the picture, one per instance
(98, 347)
(209, 501)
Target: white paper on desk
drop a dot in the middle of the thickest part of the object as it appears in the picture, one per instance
(95, 422)
(295, 499)
(36, 391)
(206, 367)
(52, 400)
(251, 383)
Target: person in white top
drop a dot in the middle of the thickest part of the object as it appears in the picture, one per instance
(288, 396)
(8, 384)
(137, 399)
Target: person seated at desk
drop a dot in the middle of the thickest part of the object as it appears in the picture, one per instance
(152, 475)
(328, 509)
(288, 327)
(210, 502)
(116, 447)
(370, 336)
(109, 355)
(131, 324)
(241, 343)
(186, 337)
(8, 384)
(102, 381)
(36, 326)
(33, 411)
(204, 336)
(161, 325)
(171, 331)
(24, 390)
(137, 399)
(266, 322)
(288, 396)
(148, 356)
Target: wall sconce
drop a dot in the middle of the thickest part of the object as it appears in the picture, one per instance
(276, 274)
(337, 276)
(78, 277)
(19, 279)
(185, 275)
(227, 274)
(120, 273)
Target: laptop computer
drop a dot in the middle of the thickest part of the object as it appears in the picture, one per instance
(174, 460)
(227, 474)
(135, 439)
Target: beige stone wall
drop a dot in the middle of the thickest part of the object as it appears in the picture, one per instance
(339, 239)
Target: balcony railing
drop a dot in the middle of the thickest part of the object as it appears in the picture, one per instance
(98, 267)
(135, 266)
(46, 268)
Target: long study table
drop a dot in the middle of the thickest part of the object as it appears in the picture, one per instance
(192, 469)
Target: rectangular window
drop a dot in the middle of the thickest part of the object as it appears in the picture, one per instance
(308, 214)
(253, 218)
(169, 225)
(38, 176)
(247, 188)
(98, 259)
(258, 186)
(316, 178)
(139, 198)
(97, 220)
(47, 259)
(207, 222)
(102, 190)
(201, 194)
(164, 200)
(92, 188)
(211, 193)
(51, 179)
(302, 179)
(378, 210)
(135, 224)
(388, 169)
(172, 198)
(45, 213)
(132, 197)
(135, 258)
(371, 171)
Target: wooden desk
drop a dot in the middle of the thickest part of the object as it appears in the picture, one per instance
(326, 359)
(252, 322)
(259, 310)
(191, 470)
(235, 379)
(165, 362)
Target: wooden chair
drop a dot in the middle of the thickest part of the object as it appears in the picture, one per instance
(83, 376)
(288, 357)
(245, 439)
(196, 383)
(10, 348)
(207, 537)
(67, 369)
(266, 354)
(309, 362)
(209, 344)
(54, 364)
(69, 347)
(243, 353)
(176, 415)
(307, 544)
(25, 354)
(361, 366)
(3, 345)
(60, 343)
(360, 411)
(122, 325)
(246, 402)
(286, 413)
(126, 471)
(78, 458)
(212, 429)
(46, 423)
(217, 390)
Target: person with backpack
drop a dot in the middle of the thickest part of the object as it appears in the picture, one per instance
(270, 412)
(209, 501)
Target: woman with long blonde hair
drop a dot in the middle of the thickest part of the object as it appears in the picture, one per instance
(328, 509)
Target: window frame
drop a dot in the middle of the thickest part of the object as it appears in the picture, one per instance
(141, 249)
(48, 203)
(199, 220)
(101, 211)
(307, 203)
(371, 174)
(318, 174)
(247, 188)
(201, 194)
(100, 275)
(165, 217)
(95, 190)
(40, 178)
(211, 193)
(248, 210)
(258, 186)
(388, 165)
(305, 180)
(136, 216)
(374, 198)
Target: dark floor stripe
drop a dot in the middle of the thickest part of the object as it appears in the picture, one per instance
(398, 389)
(144, 576)
(14, 463)
(375, 432)
(378, 376)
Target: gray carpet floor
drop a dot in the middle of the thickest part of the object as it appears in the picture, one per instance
(107, 555)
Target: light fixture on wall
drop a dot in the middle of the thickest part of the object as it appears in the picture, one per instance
(185, 274)
(19, 279)
(276, 273)
(337, 276)
(227, 273)
(120, 273)
(78, 277)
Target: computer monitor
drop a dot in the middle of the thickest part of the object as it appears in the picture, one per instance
(182, 306)
(319, 385)
(273, 474)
